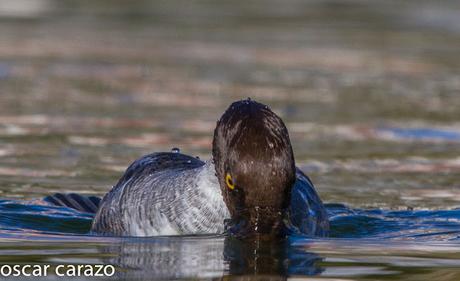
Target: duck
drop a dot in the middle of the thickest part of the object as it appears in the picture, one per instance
(251, 185)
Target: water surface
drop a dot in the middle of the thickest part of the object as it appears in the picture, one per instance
(369, 91)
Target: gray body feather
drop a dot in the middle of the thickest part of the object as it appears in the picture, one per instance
(172, 194)
(163, 194)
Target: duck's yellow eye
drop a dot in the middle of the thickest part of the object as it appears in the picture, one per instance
(229, 181)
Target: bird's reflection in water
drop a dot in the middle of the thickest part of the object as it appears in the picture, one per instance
(258, 259)
(209, 258)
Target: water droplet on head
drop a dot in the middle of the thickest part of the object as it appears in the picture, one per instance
(189, 161)
(175, 150)
(271, 145)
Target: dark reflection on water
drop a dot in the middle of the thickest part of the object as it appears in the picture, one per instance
(262, 257)
(210, 257)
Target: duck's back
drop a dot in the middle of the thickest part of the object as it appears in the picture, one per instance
(172, 193)
(163, 194)
(307, 214)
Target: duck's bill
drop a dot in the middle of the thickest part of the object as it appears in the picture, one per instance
(257, 220)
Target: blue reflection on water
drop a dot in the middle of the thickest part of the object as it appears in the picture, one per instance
(216, 256)
(4, 70)
(441, 225)
(422, 133)
(26, 217)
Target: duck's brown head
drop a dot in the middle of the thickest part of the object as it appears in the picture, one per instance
(254, 165)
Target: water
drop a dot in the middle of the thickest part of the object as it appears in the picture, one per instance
(363, 245)
(369, 92)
